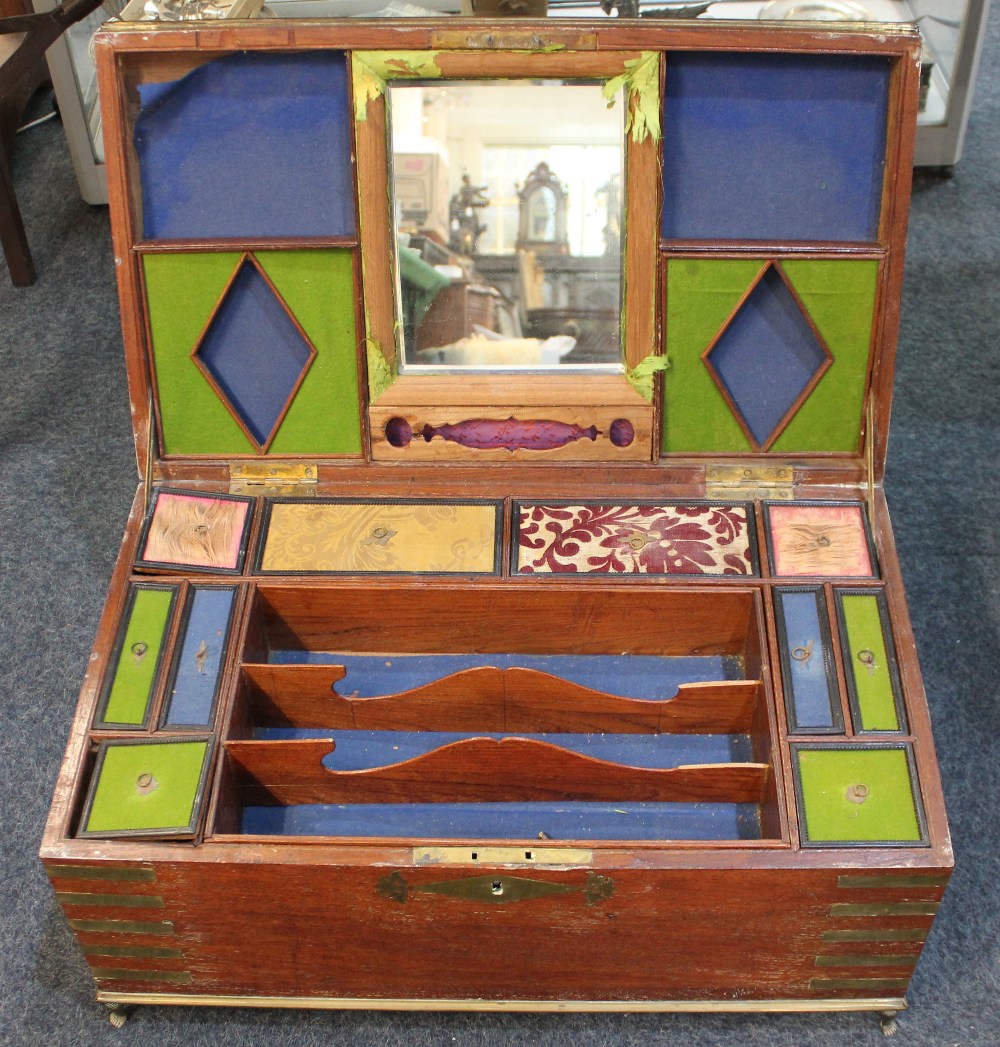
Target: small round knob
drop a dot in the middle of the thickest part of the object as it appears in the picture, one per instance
(145, 783)
(857, 793)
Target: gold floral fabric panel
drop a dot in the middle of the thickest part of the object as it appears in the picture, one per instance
(381, 537)
(635, 539)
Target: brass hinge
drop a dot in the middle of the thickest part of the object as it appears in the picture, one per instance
(773, 482)
(297, 479)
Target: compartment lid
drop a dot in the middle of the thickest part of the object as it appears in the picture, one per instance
(762, 270)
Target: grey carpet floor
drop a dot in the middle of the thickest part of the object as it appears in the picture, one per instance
(67, 476)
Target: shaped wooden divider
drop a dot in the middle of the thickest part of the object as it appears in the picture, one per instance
(487, 698)
(510, 770)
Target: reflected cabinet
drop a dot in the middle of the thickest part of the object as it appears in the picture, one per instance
(511, 573)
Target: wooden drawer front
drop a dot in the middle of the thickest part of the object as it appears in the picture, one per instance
(495, 933)
(376, 537)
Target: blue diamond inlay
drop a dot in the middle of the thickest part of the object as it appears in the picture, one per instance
(254, 352)
(767, 356)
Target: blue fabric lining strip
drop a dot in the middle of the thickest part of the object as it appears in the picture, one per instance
(651, 677)
(359, 750)
(251, 145)
(200, 661)
(808, 683)
(514, 821)
(773, 147)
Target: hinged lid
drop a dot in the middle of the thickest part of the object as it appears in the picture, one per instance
(281, 239)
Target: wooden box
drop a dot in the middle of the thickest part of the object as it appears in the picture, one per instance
(509, 682)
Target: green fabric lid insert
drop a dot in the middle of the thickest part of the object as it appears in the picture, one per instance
(865, 651)
(126, 801)
(135, 673)
(317, 286)
(832, 780)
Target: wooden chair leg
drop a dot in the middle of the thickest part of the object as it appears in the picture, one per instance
(12, 236)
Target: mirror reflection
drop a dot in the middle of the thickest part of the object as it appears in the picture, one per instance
(507, 199)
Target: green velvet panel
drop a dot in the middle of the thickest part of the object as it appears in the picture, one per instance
(873, 687)
(700, 296)
(318, 287)
(119, 805)
(839, 295)
(888, 812)
(132, 685)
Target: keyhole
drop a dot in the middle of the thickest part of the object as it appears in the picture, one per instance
(497, 887)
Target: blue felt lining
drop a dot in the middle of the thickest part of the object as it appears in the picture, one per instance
(511, 821)
(196, 679)
(773, 146)
(652, 677)
(250, 145)
(359, 750)
(767, 355)
(810, 696)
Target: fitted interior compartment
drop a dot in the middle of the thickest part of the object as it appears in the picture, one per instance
(482, 712)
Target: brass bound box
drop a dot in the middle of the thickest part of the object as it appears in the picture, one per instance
(509, 614)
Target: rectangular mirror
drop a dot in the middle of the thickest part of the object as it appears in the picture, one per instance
(508, 211)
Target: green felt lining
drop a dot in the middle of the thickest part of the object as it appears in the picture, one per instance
(839, 295)
(318, 288)
(874, 690)
(134, 677)
(119, 805)
(887, 814)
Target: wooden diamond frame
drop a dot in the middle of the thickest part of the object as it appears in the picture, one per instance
(810, 385)
(249, 257)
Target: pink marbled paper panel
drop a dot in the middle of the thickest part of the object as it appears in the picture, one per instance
(819, 540)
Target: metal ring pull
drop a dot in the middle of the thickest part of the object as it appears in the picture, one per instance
(867, 659)
(804, 652)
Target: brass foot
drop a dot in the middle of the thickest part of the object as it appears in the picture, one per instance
(888, 1023)
(117, 1014)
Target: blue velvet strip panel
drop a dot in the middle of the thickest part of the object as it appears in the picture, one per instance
(773, 147)
(512, 821)
(809, 690)
(248, 146)
(359, 750)
(651, 677)
(199, 664)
